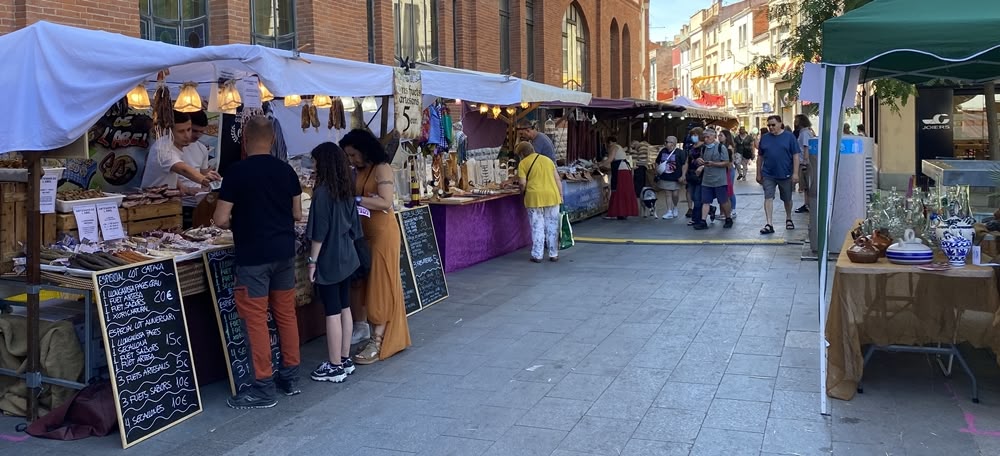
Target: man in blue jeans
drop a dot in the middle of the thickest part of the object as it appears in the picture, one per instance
(261, 199)
(777, 168)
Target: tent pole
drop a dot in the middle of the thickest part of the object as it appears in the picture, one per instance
(34, 278)
(384, 126)
(993, 134)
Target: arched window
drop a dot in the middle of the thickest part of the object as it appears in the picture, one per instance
(181, 22)
(273, 23)
(574, 35)
(626, 62)
(616, 60)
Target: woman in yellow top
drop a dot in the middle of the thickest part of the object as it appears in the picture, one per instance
(542, 196)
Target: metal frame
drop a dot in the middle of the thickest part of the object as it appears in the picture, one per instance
(35, 379)
(949, 350)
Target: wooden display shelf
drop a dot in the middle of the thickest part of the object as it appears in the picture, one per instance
(14, 224)
(154, 217)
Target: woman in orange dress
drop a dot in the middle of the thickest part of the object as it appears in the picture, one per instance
(380, 295)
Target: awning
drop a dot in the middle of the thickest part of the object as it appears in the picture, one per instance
(917, 40)
(60, 80)
(495, 89)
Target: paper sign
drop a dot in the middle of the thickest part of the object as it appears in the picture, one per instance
(110, 220)
(407, 93)
(47, 194)
(249, 93)
(86, 222)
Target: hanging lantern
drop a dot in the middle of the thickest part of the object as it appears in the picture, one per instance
(188, 100)
(458, 101)
(484, 108)
(369, 104)
(525, 105)
(265, 95)
(496, 112)
(229, 97)
(292, 100)
(349, 104)
(138, 98)
(683, 117)
(511, 110)
(670, 116)
(322, 101)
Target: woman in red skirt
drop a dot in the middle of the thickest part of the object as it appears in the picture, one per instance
(623, 202)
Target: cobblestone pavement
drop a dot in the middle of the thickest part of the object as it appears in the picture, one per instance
(615, 350)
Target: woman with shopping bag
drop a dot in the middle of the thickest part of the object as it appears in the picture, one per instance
(541, 185)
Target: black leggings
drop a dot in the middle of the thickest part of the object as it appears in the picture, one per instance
(335, 297)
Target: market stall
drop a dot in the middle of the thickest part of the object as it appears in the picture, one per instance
(92, 232)
(901, 40)
(477, 213)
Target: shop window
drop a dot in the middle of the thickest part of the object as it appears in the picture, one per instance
(505, 36)
(416, 29)
(529, 33)
(180, 22)
(574, 36)
(273, 23)
(971, 134)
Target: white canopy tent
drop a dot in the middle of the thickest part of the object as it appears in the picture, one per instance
(495, 89)
(60, 80)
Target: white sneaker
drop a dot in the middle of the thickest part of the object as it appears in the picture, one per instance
(732, 214)
(667, 216)
(675, 213)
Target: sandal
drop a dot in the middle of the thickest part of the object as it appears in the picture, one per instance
(789, 225)
(767, 229)
(369, 354)
(554, 259)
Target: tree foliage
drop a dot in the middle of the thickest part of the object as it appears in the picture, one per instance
(805, 44)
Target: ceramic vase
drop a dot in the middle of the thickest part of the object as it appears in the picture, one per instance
(956, 247)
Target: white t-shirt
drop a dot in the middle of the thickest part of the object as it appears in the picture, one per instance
(195, 155)
(163, 154)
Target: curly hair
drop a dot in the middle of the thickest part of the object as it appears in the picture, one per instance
(333, 171)
(366, 143)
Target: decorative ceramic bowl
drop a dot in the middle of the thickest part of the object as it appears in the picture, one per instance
(910, 250)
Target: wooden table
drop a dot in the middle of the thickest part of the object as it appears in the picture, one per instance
(906, 309)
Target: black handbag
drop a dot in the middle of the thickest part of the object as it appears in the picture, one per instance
(364, 253)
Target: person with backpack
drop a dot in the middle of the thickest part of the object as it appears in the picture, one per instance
(744, 149)
(671, 169)
(714, 163)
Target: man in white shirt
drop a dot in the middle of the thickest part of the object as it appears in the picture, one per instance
(165, 162)
(195, 155)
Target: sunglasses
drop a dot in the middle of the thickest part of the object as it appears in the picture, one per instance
(772, 125)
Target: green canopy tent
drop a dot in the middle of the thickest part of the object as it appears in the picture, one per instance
(910, 40)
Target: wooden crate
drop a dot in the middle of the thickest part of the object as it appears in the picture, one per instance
(14, 224)
(165, 216)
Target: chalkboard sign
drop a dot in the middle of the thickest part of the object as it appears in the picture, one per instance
(411, 299)
(146, 342)
(425, 258)
(220, 266)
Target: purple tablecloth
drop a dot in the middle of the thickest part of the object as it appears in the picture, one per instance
(473, 233)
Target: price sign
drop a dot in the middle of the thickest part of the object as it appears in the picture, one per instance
(111, 221)
(146, 342)
(86, 222)
(47, 194)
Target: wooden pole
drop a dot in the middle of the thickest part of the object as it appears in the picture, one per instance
(385, 117)
(34, 279)
(993, 132)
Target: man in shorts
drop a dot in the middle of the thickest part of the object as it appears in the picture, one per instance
(777, 168)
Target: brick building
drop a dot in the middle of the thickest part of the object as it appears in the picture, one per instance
(604, 40)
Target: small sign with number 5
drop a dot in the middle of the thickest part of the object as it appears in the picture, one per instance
(407, 92)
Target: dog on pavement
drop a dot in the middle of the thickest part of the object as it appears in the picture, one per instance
(648, 196)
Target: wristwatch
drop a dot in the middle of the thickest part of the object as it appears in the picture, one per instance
(311, 260)
(357, 199)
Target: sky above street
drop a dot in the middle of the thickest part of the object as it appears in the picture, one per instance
(667, 16)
